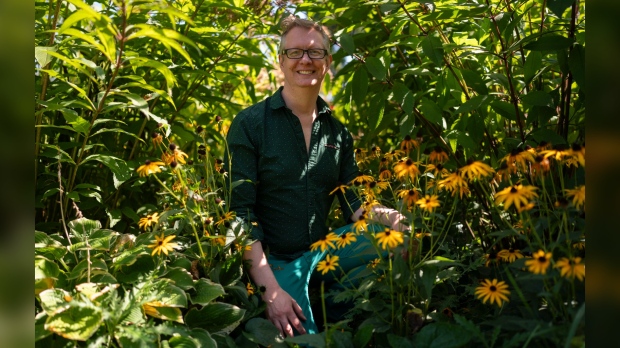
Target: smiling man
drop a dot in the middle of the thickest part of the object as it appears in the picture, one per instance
(291, 153)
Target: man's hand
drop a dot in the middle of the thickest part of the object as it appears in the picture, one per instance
(284, 312)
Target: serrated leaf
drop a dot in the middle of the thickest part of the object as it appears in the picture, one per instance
(346, 41)
(206, 291)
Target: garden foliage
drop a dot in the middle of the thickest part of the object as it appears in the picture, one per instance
(468, 117)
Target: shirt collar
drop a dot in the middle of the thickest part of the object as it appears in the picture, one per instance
(277, 102)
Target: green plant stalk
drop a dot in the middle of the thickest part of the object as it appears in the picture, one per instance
(325, 324)
(518, 290)
(189, 214)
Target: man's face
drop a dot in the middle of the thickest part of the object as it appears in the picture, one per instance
(304, 72)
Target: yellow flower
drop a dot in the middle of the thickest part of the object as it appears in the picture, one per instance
(578, 194)
(389, 238)
(394, 155)
(250, 289)
(162, 243)
(385, 174)
(376, 151)
(156, 138)
(493, 291)
(176, 155)
(454, 183)
(340, 188)
(406, 168)
(571, 268)
(540, 166)
(518, 159)
(408, 144)
(578, 152)
(437, 170)
(510, 255)
(149, 168)
(539, 262)
(360, 224)
(518, 195)
(148, 220)
(362, 180)
(475, 170)
(428, 203)
(223, 220)
(559, 152)
(409, 196)
(374, 263)
(329, 264)
(438, 155)
(345, 239)
(325, 242)
(492, 258)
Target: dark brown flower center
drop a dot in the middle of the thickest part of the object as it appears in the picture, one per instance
(542, 259)
(513, 189)
(493, 288)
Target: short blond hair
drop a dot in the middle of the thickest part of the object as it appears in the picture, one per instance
(293, 21)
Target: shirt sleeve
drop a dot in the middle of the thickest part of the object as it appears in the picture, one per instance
(243, 160)
(349, 201)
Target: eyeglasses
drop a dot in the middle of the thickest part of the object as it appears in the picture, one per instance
(298, 53)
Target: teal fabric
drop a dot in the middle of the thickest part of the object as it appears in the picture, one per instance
(285, 189)
(294, 276)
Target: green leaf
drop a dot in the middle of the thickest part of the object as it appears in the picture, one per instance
(346, 41)
(165, 313)
(558, 7)
(359, 86)
(215, 317)
(431, 111)
(505, 109)
(577, 65)
(551, 42)
(398, 341)
(78, 322)
(363, 336)
(78, 123)
(309, 340)
(263, 332)
(376, 111)
(376, 68)
(41, 55)
(475, 81)
(181, 277)
(84, 226)
(432, 48)
(206, 291)
(442, 334)
(474, 103)
(114, 215)
(537, 98)
(120, 170)
(533, 63)
(203, 337)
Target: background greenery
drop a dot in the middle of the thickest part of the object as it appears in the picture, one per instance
(477, 78)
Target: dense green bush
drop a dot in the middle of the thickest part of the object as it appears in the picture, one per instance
(477, 83)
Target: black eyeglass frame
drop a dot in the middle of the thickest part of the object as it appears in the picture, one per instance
(325, 53)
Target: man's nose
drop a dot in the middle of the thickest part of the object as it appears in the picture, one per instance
(305, 56)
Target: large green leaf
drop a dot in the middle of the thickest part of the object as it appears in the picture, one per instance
(120, 170)
(433, 49)
(376, 68)
(206, 291)
(552, 42)
(263, 332)
(360, 87)
(77, 322)
(442, 334)
(215, 317)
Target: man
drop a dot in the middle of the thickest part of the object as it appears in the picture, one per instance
(291, 153)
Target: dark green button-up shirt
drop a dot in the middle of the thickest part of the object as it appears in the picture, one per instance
(287, 190)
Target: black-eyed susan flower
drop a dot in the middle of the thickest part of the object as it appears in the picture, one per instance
(360, 156)
(510, 255)
(394, 155)
(571, 268)
(492, 258)
(362, 180)
(578, 152)
(148, 220)
(518, 159)
(381, 185)
(428, 203)
(559, 152)
(156, 138)
(438, 155)
(454, 183)
(389, 238)
(361, 224)
(406, 168)
(385, 174)
(341, 188)
(326, 242)
(475, 170)
(438, 170)
(409, 196)
(162, 243)
(149, 168)
(329, 264)
(225, 218)
(376, 151)
(345, 239)
(409, 144)
(539, 263)
(518, 195)
(578, 195)
(493, 291)
(175, 156)
(541, 166)
(374, 263)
